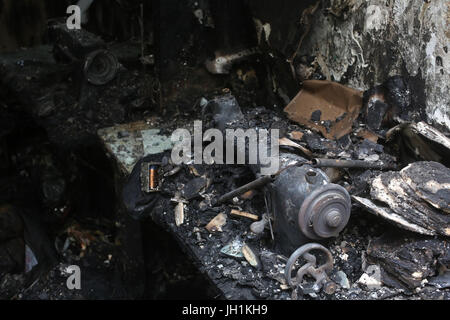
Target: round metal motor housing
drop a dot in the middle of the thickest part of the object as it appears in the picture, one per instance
(307, 207)
(100, 67)
(325, 212)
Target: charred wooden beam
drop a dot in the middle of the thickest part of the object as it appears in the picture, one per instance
(408, 261)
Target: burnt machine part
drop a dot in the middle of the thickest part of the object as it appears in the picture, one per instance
(151, 177)
(304, 203)
(319, 273)
(100, 67)
(338, 163)
(306, 206)
(222, 63)
(79, 46)
(74, 44)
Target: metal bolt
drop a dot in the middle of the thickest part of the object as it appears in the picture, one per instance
(329, 287)
(334, 219)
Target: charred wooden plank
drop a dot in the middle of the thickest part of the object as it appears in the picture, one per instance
(408, 260)
(388, 214)
(416, 198)
(421, 141)
(431, 182)
(392, 190)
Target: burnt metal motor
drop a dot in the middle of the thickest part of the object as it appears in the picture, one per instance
(305, 205)
(85, 50)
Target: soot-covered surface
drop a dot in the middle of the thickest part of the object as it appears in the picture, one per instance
(61, 191)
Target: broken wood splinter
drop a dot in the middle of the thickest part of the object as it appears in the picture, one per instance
(252, 216)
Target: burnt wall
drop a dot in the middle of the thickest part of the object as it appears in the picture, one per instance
(362, 43)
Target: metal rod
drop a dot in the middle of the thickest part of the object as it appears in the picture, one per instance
(338, 163)
(255, 183)
(249, 186)
(269, 218)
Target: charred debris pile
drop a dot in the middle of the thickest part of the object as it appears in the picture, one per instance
(359, 208)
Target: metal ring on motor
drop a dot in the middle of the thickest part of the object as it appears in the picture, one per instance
(316, 214)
